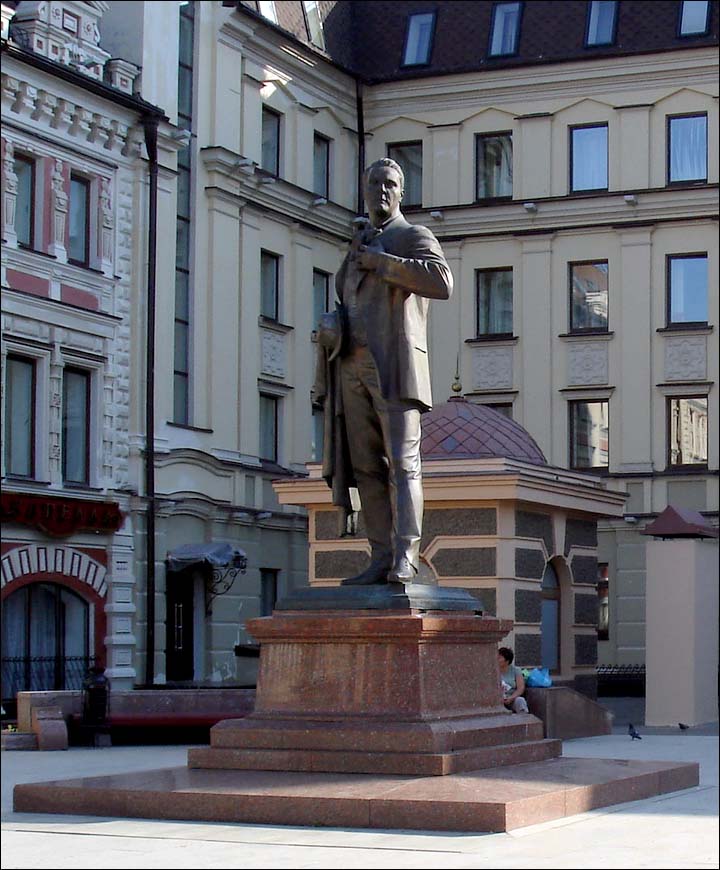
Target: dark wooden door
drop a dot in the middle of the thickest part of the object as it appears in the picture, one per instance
(179, 650)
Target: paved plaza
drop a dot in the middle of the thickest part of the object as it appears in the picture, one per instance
(679, 830)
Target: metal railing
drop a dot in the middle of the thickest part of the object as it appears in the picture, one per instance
(43, 673)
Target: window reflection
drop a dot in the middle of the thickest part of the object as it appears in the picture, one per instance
(588, 296)
(589, 434)
(688, 431)
(589, 149)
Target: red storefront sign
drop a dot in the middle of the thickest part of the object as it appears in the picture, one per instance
(60, 517)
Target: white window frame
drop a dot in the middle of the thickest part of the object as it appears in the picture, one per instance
(497, 32)
(41, 358)
(96, 369)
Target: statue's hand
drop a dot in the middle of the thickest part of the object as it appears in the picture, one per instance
(367, 259)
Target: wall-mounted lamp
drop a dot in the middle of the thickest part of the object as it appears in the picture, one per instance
(631, 199)
(530, 207)
(437, 215)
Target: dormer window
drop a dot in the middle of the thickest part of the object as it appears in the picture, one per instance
(314, 23)
(267, 9)
(601, 23)
(694, 17)
(505, 29)
(418, 39)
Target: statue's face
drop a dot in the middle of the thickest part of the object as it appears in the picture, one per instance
(383, 192)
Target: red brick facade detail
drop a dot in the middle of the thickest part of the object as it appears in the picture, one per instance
(28, 283)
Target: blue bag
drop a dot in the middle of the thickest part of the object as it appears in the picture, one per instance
(539, 678)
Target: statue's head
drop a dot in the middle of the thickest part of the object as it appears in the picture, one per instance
(384, 188)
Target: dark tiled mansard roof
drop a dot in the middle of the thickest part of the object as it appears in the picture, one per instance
(367, 37)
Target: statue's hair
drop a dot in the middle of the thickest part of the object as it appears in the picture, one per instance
(391, 164)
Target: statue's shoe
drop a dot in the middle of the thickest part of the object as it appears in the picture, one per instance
(402, 571)
(375, 573)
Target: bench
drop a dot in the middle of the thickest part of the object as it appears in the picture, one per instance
(170, 715)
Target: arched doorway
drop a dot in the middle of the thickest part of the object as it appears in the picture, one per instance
(45, 639)
(550, 619)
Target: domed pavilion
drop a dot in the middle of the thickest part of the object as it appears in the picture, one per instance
(499, 521)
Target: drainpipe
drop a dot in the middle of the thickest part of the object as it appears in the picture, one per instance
(361, 144)
(150, 125)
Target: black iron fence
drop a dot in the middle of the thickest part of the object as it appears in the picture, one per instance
(43, 673)
(621, 681)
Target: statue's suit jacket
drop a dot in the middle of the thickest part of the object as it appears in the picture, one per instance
(397, 297)
(395, 300)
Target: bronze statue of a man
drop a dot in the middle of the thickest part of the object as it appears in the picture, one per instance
(381, 380)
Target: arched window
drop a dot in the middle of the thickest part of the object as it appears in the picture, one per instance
(550, 619)
(45, 639)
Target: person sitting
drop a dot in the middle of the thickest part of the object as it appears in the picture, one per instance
(512, 681)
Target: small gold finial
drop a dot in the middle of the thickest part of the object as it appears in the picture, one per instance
(457, 386)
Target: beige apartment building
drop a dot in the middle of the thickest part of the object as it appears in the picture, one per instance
(565, 155)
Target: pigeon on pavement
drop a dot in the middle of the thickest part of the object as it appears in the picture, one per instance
(633, 732)
(682, 726)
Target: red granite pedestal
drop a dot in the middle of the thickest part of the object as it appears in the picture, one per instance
(394, 693)
(373, 720)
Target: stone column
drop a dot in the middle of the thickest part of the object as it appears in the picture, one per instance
(9, 197)
(681, 601)
(106, 223)
(441, 174)
(59, 200)
(531, 159)
(633, 299)
(534, 324)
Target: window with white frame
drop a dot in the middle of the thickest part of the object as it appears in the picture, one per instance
(494, 302)
(589, 157)
(694, 17)
(19, 427)
(25, 201)
(321, 166)
(687, 430)
(589, 434)
(79, 220)
(76, 411)
(269, 285)
(270, 160)
(493, 165)
(267, 9)
(318, 433)
(687, 290)
(269, 415)
(418, 39)
(409, 156)
(603, 590)
(311, 8)
(602, 16)
(268, 590)
(183, 222)
(505, 29)
(321, 295)
(589, 296)
(687, 148)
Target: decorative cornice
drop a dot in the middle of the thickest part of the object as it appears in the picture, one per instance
(608, 211)
(38, 109)
(232, 175)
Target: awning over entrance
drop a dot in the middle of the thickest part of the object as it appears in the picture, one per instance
(213, 555)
